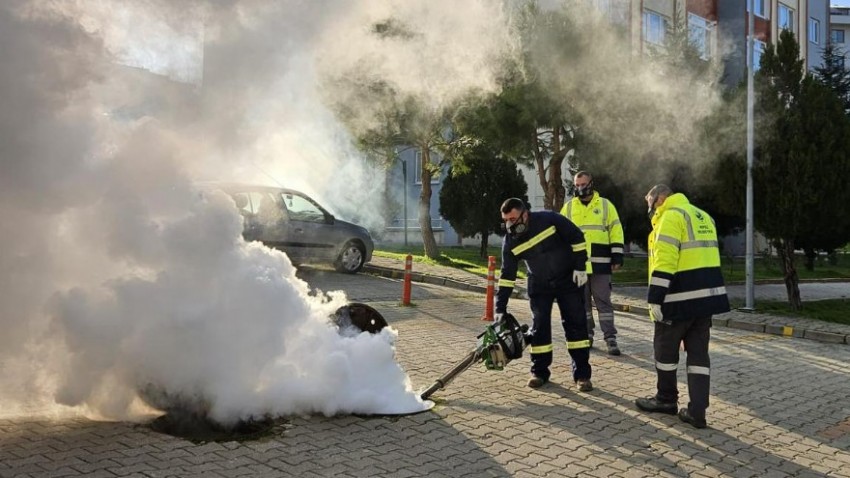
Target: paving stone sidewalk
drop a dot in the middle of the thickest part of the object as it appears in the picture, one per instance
(630, 299)
(778, 409)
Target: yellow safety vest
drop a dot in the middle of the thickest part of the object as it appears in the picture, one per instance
(684, 262)
(603, 232)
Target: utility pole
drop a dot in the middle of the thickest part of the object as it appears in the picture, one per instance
(750, 273)
(404, 179)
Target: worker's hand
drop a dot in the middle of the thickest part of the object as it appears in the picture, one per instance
(497, 317)
(580, 278)
(655, 314)
(615, 267)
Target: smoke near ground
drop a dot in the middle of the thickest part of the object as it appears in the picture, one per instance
(116, 273)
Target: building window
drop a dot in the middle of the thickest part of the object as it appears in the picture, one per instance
(758, 49)
(417, 169)
(814, 30)
(836, 36)
(760, 7)
(654, 27)
(786, 18)
(699, 35)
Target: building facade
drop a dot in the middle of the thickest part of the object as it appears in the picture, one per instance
(809, 20)
(839, 28)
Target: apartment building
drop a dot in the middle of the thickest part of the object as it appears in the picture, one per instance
(718, 28)
(808, 19)
(839, 27)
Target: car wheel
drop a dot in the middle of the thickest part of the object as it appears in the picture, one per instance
(350, 260)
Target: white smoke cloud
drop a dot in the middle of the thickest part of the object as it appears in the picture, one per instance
(116, 274)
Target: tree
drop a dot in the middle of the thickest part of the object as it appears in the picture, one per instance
(529, 120)
(472, 194)
(833, 74)
(802, 164)
(384, 120)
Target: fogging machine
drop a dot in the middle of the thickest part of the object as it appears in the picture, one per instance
(499, 344)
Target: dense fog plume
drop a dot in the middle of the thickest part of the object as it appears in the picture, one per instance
(643, 102)
(116, 273)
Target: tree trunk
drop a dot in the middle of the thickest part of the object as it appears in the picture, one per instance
(540, 162)
(555, 187)
(485, 237)
(428, 241)
(550, 177)
(785, 250)
(832, 257)
(810, 259)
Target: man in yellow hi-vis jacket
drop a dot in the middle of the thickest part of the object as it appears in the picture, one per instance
(685, 289)
(598, 219)
(553, 250)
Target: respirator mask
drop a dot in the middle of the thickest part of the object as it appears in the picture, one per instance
(584, 191)
(650, 203)
(516, 228)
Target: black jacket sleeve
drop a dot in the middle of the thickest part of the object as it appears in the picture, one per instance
(573, 236)
(507, 276)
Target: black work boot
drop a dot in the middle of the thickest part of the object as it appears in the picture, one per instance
(612, 347)
(536, 382)
(652, 404)
(685, 416)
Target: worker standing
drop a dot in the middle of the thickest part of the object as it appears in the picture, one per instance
(555, 256)
(598, 219)
(685, 289)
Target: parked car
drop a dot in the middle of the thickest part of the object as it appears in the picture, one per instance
(294, 223)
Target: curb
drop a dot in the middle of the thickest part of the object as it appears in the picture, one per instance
(722, 321)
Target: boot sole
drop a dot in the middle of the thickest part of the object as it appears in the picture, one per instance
(666, 411)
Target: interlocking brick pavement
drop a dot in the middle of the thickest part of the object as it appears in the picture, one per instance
(779, 408)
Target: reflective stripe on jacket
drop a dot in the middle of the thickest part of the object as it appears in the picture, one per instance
(552, 248)
(684, 262)
(599, 221)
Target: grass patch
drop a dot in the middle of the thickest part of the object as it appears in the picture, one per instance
(833, 310)
(634, 270)
(464, 258)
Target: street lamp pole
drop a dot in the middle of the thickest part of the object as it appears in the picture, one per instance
(404, 179)
(750, 275)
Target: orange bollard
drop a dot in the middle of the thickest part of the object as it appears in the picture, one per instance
(491, 287)
(408, 266)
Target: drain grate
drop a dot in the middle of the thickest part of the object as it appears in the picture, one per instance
(200, 429)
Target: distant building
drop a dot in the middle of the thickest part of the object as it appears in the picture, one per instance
(839, 27)
(807, 19)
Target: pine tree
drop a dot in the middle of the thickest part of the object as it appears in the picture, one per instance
(473, 192)
(834, 75)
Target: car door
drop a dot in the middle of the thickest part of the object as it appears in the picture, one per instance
(264, 219)
(310, 232)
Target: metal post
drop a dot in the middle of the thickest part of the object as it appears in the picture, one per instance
(405, 289)
(404, 179)
(750, 274)
(489, 314)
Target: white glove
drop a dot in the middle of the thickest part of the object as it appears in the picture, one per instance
(497, 317)
(580, 278)
(655, 314)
